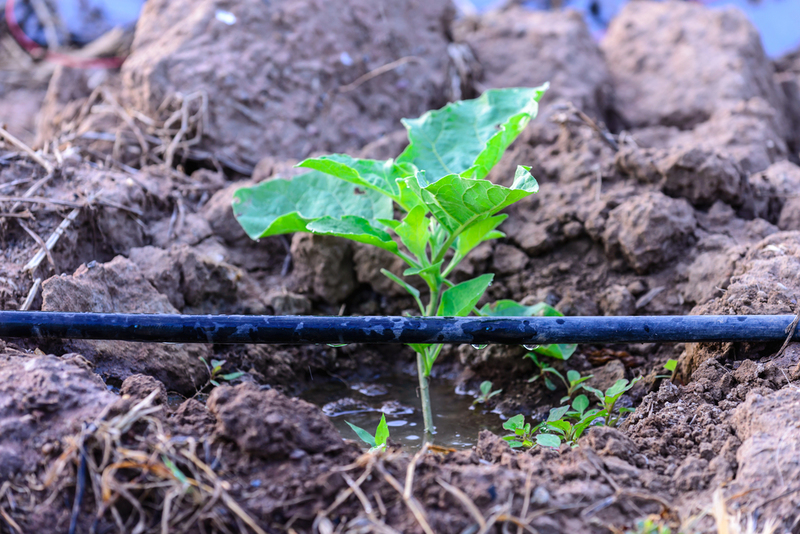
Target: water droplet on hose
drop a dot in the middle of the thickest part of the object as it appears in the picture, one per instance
(337, 345)
(479, 346)
(531, 347)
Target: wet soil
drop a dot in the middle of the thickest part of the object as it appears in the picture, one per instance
(674, 191)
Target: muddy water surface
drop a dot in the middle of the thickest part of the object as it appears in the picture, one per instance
(458, 422)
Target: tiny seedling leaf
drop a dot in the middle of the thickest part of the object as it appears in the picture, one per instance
(573, 376)
(365, 436)
(382, 432)
(557, 413)
(514, 422)
(580, 403)
(671, 365)
(459, 300)
(232, 376)
(485, 387)
(548, 440)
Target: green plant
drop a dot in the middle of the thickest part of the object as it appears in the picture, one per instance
(486, 392)
(215, 373)
(567, 431)
(438, 187)
(545, 371)
(574, 383)
(526, 436)
(608, 400)
(649, 526)
(376, 442)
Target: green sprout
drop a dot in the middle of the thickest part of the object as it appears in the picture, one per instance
(215, 372)
(376, 442)
(545, 372)
(567, 431)
(608, 400)
(437, 186)
(574, 383)
(486, 392)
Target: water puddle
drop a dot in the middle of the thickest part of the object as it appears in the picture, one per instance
(457, 423)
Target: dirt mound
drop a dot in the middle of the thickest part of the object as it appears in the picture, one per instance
(278, 75)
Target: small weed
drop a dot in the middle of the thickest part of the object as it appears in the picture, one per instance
(526, 436)
(486, 392)
(649, 526)
(608, 400)
(569, 432)
(376, 442)
(574, 383)
(545, 372)
(215, 372)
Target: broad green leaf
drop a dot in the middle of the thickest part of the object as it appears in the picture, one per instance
(548, 440)
(515, 444)
(481, 231)
(514, 422)
(580, 403)
(469, 136)
(281, 206)
(413, 232)
(671, 365)
(373, 174)
(354, 228)
(382, 432)
(365, 436)
(458, 202)
(557, 413)
(459, 300)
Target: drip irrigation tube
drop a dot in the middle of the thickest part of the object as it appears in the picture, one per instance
(336, 330)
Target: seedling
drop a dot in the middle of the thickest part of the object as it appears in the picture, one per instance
(650, 526)
(376, 442)
(574, 383)
(545, 372)
(564, 429)
(438, 186)
(215, 372)
(486, 392)
(525, 436)
(672, 367)
(608, 400)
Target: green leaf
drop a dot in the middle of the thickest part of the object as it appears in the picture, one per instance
(470, 136)
(232, 376)
(560, 426)
(557, 413)
(459, 300)
(281, 206)
(573, 376)
(559, 352)
(372, 174)
(382, 432)
(514, 422)
(618, 388)
(549, 384)
(458, 202)
(580, 403)
(548, 440)
(481, 231)
(515, 444)
(485, 387)
(365, 436)
(354, 228)
(413, 232)
(671, 365)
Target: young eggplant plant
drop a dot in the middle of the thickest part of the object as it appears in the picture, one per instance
(438, 186)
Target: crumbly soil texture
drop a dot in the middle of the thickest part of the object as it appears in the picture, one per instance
(667, 156)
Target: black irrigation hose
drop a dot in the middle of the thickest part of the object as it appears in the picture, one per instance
(336, 330)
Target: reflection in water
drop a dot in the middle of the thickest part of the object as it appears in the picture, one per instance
(457, 423)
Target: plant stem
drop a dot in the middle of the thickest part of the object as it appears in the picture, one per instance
(425, 397)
